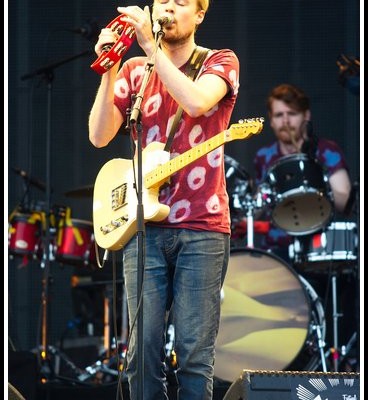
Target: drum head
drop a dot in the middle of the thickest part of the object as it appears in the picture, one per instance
(302, 197)
(265, 314)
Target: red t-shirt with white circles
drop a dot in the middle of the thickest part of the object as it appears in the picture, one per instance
(196, 193)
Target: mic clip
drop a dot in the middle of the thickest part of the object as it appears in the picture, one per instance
(157, 28)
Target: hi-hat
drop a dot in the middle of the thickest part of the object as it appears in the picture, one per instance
(82, 191)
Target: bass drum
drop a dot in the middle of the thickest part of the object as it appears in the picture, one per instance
(267, 321)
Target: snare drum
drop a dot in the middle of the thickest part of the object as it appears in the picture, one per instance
(336, 247)
(75, 243)
(25, 235)
(301, 197)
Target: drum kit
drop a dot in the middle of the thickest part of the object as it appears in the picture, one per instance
(72, 240)
(271, 317)
(32, 230)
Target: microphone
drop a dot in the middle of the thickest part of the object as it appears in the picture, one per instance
(33, 181)
(164, 20)
(90, 30)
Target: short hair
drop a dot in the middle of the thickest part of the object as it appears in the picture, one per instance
(289, 94)
(203, 4)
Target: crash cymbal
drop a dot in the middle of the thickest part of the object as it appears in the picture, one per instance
(82, 191)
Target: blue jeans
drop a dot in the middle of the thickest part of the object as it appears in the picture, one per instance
(183, 272)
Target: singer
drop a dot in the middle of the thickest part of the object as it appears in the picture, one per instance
(185, 254)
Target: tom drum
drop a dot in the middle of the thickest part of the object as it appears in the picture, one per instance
(25, 234)
(301, 197)
(336, 247)
(75, 243)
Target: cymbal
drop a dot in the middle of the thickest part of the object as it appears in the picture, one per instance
(82, 191)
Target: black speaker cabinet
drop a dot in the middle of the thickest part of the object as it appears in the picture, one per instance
(294, 385)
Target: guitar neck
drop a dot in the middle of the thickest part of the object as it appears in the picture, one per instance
(164, 171)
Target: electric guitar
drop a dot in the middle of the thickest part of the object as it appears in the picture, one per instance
(115, 195)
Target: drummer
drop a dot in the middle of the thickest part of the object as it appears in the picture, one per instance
(290, 118)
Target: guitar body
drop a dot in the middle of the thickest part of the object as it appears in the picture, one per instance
(115, 200)
(115, 197)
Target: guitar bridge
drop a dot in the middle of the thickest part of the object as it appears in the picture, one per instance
(118, 197)
(117, 223)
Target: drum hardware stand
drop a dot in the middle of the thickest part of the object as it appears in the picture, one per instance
(335, 351)
(321, 345)
(317, 327)
(250, 222)
(250, 205)
(113, 353)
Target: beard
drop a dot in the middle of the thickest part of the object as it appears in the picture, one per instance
(176, 38)
(287, 134)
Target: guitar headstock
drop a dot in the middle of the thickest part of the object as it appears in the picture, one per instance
(245, 128)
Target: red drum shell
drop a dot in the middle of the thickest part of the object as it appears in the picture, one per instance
(25, 235)
(75, 243)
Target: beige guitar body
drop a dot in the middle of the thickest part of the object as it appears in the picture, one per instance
(115, 198)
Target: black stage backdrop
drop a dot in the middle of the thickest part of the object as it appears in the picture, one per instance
(51, 88)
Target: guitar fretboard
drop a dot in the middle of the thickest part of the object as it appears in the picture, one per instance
(162, 172)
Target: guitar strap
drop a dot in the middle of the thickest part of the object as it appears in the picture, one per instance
(196, 60)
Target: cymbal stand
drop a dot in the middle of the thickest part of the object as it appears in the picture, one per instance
(336, 351)
(102, 369)
(335, 315)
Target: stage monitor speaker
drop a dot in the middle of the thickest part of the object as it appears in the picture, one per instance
(23, 373)
(294, 385)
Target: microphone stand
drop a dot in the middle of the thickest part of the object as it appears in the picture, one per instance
(47, 72)
(136, 121)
